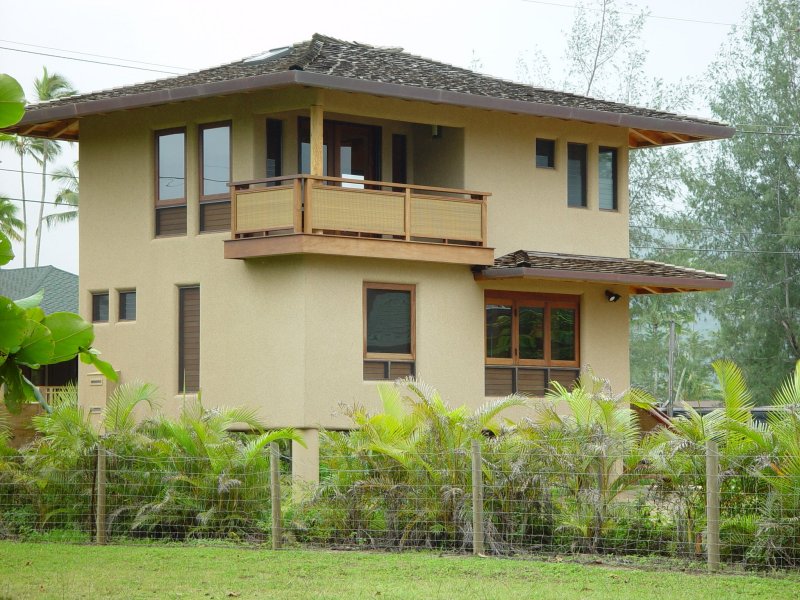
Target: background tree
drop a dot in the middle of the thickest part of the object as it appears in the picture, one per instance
(67, 195)
(744, 194)
(50, 86)
(10, 225)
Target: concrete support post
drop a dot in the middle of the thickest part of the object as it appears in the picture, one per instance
(305, 461)
(477, 499)
(712, 505)
(275, 494)
(317, 157)
(100, 500)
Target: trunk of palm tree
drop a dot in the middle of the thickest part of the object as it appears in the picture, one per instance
(24, 211)
(40, 221)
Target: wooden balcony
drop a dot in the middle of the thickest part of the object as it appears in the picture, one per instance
(349, 217)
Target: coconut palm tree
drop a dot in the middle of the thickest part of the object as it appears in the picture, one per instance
(23, 148)
(47, 87)
(67, 195)
(10, 225)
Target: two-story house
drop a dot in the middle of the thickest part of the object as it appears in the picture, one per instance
(284, 231)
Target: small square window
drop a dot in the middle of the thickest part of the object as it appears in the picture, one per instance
(100, 307)
(127, 306)
(545, 154)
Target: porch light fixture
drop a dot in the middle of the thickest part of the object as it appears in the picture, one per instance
(612, 296)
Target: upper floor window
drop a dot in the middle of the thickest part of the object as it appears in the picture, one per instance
(215, 173)
(100, 307)
(576, 175)
(127, 305)
(607, 177)
(171, 182)
(389, 330)
(274, 148)
(531, 340)
(545, 154)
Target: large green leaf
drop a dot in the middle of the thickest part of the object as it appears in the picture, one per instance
(37, 348)
(12, 101)
(70, 333)
(91, 357)
(31, 301)
(18, 390)
(13, 326)
(6, 253)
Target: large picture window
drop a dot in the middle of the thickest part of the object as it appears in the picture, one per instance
(170, 182)
(531, 340)
(215, 173)
(389, 331)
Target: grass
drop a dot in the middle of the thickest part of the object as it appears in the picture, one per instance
(68, 571)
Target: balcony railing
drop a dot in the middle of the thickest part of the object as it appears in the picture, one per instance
(334, 206)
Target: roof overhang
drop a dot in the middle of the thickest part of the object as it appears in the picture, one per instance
(61, 121)
(637, 284)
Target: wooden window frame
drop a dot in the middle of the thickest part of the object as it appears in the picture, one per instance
(399, 287)
(584, 175)
(201, 158)
(614, 177)
(181, 341)
(108, 306)
(157, 135)
(120, 304)
(548, 302)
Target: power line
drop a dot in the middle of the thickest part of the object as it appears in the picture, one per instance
(86, 60)
(62, 204)
(724, 231)
(622, 12)
(38, 173)
(723, 250)
(141, 62)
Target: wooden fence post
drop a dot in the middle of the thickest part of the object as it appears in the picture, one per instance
(275, 494)
(477, 500)
(712, 505)
(100, 504)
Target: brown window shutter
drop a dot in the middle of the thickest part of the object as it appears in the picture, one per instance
(189, 340)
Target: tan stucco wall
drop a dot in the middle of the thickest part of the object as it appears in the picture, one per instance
(285, 334)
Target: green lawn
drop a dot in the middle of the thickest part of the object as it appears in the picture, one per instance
(70, 571)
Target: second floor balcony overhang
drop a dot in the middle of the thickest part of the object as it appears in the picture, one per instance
(316, 214)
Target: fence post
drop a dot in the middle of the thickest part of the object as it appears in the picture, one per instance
(477, 499)
(712, 504)
(275, 494)
(100, 504)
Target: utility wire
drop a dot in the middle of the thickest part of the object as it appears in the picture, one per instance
(64, 204)
(141, 62)
(723, 250)
(86, 60)
(39, 173)
(622, 12)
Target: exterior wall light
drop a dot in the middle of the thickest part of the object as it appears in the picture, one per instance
(612, 296)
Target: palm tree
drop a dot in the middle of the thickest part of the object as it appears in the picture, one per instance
(22, 146)
(10, 225)
(47, 87)
(67, 195)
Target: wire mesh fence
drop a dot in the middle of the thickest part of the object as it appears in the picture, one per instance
(688, 503)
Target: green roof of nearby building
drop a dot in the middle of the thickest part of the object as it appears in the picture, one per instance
(60, 287)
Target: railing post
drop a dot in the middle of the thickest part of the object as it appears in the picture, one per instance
(234, 221)
(408, 214)
(298, 205)
(275, 494)
(100, 504)
(712, 505)
(477, 500)
(484, 222)
(308, 185)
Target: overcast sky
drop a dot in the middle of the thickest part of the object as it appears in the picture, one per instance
(682, 38)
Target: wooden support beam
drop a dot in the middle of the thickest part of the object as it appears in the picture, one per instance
(58, 132)
(317, 118)
(27, 130)
(641, 136)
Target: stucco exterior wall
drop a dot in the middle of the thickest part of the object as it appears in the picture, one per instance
(285, 334)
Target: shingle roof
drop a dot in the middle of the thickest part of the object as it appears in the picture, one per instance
(60, 287)
(332, 58)
(644, 276)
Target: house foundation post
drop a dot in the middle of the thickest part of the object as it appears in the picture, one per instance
(305, 461)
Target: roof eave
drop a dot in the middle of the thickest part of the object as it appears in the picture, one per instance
(638, 283)
(76, 110)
